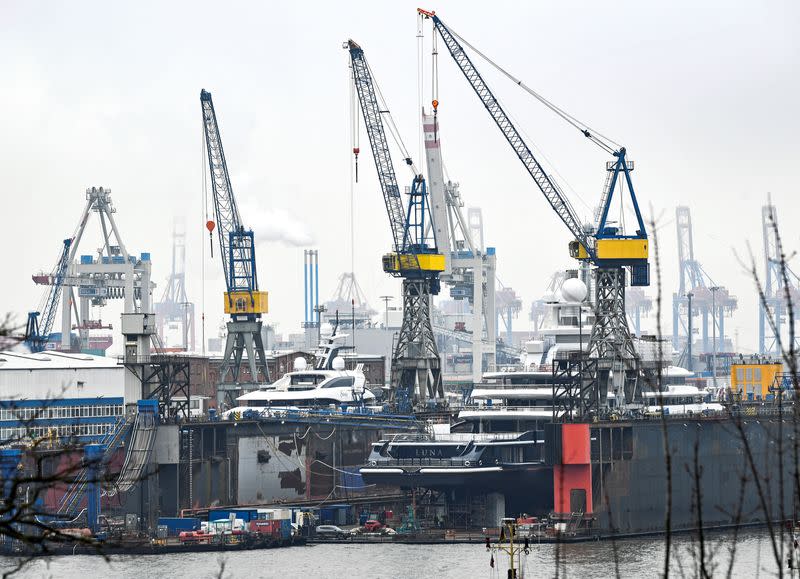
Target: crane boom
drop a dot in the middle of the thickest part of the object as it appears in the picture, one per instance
(36, 331)
(362, 78)
(553, 195)
(236, 245)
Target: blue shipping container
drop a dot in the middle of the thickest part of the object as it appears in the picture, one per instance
(246, 515)
(286, 529)
(86, 259)
(176, 525)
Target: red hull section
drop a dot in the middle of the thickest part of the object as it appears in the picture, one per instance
(572, 479)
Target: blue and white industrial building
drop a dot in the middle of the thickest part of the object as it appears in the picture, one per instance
(60, 395)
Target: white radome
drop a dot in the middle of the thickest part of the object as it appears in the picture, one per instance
(338, 363)
(573, 290)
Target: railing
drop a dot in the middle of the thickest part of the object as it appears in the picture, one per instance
(504, 408)
(456, 437)
(441, 462)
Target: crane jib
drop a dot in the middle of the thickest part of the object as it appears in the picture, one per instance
(237, 247)
(371, 111)
(492, 105)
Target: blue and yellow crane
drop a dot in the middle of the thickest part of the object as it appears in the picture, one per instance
(243, 300)
(603, 244)
(416, 366)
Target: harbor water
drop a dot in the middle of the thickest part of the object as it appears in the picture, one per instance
(636, 558)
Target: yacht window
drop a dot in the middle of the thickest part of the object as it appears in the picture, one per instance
(307, 379)
(342, 382)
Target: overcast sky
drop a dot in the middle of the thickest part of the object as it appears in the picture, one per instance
(703, 94)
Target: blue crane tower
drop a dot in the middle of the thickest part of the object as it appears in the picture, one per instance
(416, 366)
(243, 301)
(40, 323)
(697, 295)
(605, 246)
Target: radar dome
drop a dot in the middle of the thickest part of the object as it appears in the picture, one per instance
(573, 290)
(338, 363)
(299, 364)
(326, 329)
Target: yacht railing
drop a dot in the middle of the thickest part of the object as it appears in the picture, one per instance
(449, 462)
(456, 437)
(504, 408)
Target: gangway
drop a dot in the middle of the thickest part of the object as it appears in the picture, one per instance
(143, 439)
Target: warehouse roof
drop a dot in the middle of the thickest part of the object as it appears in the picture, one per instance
(53, 360)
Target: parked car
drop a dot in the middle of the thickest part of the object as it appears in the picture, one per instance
(331, 532)
(372, 526)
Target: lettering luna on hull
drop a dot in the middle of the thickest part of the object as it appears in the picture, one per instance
(429, 453)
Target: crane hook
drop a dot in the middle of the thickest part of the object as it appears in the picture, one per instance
(210, 226)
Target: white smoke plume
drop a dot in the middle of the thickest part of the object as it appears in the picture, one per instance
(273, 224)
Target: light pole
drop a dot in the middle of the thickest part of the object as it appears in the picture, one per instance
(386, 300)
(690, 335)
(714, 291)
(319, 309)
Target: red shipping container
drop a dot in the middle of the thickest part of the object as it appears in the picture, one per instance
(266, 527)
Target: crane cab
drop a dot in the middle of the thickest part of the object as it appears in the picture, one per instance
(244, 302)
(400, 263)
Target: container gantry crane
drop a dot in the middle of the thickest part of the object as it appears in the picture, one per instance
(416, 365)
(605, 245)
(781, 290)
(708, 300)
(40, 323)
(244, 302)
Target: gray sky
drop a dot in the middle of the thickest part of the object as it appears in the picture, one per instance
(703, 94)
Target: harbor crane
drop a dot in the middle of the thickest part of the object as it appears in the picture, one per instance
(40, 323)
(781, 288)
(470, 268)
(175, 309)
(416, 365)
(604, 244)
(243, 301)
(708, 300)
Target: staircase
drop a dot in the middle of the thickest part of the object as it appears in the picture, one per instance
(112, 439)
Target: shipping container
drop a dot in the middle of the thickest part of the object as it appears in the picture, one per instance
(246, 514)
(286, 528)
(266, 527)
(175, 525)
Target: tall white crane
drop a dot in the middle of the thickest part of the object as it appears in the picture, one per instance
(469, 267)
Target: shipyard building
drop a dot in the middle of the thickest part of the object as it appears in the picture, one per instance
(58, 394)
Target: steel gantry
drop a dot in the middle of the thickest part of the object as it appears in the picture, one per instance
(606, 246)
(697, 295)
(416, 365)
(242, 301)
(111, 274)
(175, 307)
(780, 286)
